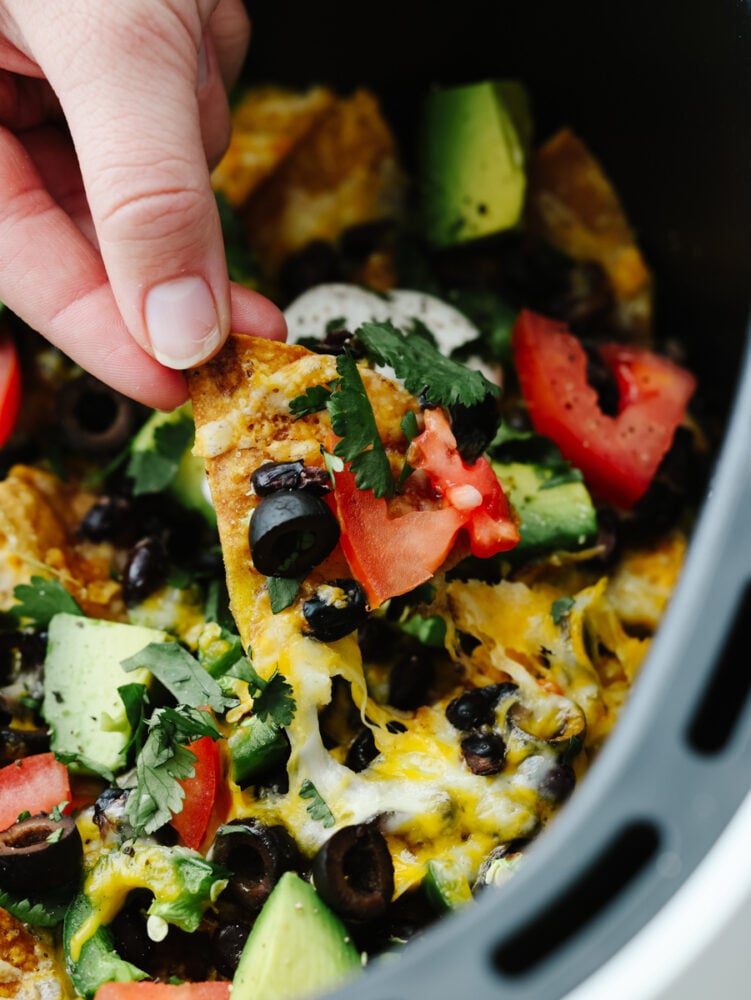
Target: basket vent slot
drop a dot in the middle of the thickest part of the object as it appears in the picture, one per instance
(728, 687)
(605, 878)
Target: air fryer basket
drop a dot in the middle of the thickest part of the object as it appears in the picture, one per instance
(661, 90)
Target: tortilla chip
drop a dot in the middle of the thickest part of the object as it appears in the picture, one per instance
(241, 408)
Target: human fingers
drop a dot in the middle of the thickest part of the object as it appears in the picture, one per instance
(230, 29)
(53, 278)
(56, 163)
(127, 79)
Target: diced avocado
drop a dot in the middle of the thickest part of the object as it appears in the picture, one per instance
(297, 947)
(445, 886)
(183, 472)
(82, 673)
(473, 160)
(555, 513)
(254, 748)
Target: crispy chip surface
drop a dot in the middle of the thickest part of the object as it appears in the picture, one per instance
(241, 408)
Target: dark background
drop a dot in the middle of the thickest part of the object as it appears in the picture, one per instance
(660, 90)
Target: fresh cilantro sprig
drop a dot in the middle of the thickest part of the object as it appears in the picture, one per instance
(360, 444)
(317, 808)
(41, 599)
(424, 370)
(162, 762)
(37, 913)
(313, 400)
(182, 675)
(282, 591)
(153, 469)
(272, 698)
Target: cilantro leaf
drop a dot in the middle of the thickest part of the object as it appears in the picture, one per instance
(424, 370)
(313, 400)
(272, 698)
(282, 591)
(275, 702)
(181, 674)
(560, 608)
(40, 600)
(360, 444)
(317, 809)
(40, 913)
(162, 763)
(153, 469)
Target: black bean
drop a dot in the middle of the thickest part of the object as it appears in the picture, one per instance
(470, 710)
(484, 753)
(335, 610)
(274, 476)
(558, 783)
(109, 519)
(145, 571)
(362, 750)
(410, 681)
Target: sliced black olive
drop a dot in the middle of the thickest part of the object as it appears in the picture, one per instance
(145, 571)
(410, 681)
(41, 852)
(18, 743)
(93, 418)
(274, 476)
(362, 750)
(567, 739)
(354, 874)
(335, 610)
(484, 753)
(257, 856)
(474, 427)
(290, 533)
(226, 947)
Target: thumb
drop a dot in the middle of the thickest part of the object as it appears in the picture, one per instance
(127, 76)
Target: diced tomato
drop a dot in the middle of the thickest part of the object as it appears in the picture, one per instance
(391, 554)
(619, 455)
(472, 489)
(201, 810)
(163, 991)
(10, 388)
(35, 784)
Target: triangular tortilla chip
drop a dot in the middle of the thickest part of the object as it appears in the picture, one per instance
(241, 408)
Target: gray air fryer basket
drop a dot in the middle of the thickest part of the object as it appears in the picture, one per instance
(661, 90)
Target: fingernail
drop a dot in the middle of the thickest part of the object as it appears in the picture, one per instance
(182, 322)
(203, 66)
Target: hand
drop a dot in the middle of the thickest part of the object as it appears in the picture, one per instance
(110, 244)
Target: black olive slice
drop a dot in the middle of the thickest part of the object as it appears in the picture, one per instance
(290, 533)
(567, 739)
(335, 610)
(94, 418)
(40, 853)
(257, 856)
(474, 427)
(354, 874)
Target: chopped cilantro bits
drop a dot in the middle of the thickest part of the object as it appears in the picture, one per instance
(41, 599)
(317, 808)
